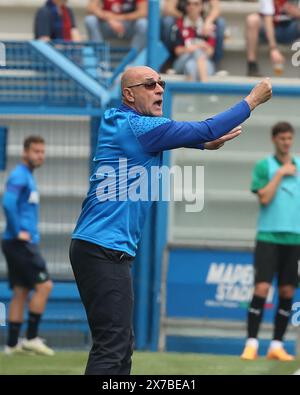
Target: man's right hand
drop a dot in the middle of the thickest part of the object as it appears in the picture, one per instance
(261, 93)
(24, 236)
(276, 56)
(287, 169)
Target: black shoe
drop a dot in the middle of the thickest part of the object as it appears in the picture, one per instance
(253, 70)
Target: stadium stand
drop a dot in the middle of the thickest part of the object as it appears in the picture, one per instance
(234, 12)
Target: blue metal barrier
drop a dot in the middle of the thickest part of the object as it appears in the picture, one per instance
(30, 79)
(89, 56)
(71, 71)
(100, 60)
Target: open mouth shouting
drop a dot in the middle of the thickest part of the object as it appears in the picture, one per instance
(158, 104)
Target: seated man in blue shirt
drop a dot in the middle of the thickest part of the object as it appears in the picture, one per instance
(131, 141)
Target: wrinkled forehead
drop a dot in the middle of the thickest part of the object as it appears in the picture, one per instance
(149, 77)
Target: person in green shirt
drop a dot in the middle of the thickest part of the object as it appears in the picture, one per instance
(276, 181)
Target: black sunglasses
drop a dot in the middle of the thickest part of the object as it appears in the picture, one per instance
(151, 85)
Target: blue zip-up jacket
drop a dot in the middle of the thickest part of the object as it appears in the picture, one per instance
(129, 147)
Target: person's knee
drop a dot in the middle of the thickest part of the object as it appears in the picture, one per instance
(253, 21)
(262, 289)
(48, 286)
(141, 26)
(199, 54)
(191, 70)
(91, 22)
(201, 58)
(286, 291)
(45, 288)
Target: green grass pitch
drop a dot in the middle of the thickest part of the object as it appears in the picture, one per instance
(148, 363)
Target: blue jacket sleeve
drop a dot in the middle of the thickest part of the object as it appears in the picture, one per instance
(14, 187)
(172, 134)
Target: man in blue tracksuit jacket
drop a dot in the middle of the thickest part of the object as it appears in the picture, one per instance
(27, 269)
(131, 141)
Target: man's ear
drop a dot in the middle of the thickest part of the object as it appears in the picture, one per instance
(128, 94)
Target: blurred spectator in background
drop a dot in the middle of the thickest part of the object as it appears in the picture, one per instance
(118, 19)
(277, 185)
(27, 269)
(194, 46)
(55, 21)
(174, 9)
(277, 21)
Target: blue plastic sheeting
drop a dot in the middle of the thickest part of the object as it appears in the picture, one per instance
(3, 143)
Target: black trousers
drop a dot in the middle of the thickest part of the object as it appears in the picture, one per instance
(103, 277)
